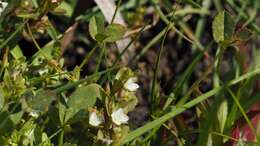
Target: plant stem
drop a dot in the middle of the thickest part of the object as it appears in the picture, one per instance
(153, 96)
(61, 136)
(176, 111)
(117, 7)
(12, 35)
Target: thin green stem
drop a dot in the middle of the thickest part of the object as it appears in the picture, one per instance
(128, 45)
(243, 113)
(201, 23)
(153, 94)
(12, 35)
(86, 59)
(218, 58)
(117, 8)
(176, 111)
(149, 45)
(194, 86)
(100, 58)
(89, 78)
(61, 137)
(218, 5)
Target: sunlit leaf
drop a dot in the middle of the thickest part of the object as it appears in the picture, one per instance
(114, 32)
(81, 99)
(223, 27)
(222, 114)
(96, 26)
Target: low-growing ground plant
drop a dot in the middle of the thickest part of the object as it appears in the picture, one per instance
(134, 73)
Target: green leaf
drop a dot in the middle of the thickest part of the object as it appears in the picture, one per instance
(222, 115)
(6, 124)
(2, 100)
(223, 27)
(45, 140)
(52, 31)
(100, 37)
(17, 52)
(178, 110)
(62, 111)
(130, 104)
(84, 96)
(121, 77)
(114, 32)
(28, 131)
(16, 117)
(81, 99)
(41, 100)
(96, 26)
(66, 7)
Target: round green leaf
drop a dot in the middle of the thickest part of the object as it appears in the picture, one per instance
(41, 100)
(114, 32)
(81, 99)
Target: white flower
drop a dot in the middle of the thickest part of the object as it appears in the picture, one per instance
(107, 141)
(131, 85)
(43, 71)
(3, 5)
(119, 117)
(34, 114)
(54, 1)
(94, 119)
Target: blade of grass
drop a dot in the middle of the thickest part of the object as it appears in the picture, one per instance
(245, 87)
(129, 44)
(195, 85)
(101, 57)
(154, 81)
(149, 45)
(245, 16)
(164, 18)
(12, 35)
(201, 22)
(51, 62)
(185, 76)
(85, 60)
(89, 78)
(228, 137)
(218, 134)
(218, 5)
(117, 7)
(140, 131)
(252, 100)
(243, 113)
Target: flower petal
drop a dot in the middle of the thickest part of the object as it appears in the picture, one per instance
(94, 119)
(119, 117)
(3, 5)
(131, 85)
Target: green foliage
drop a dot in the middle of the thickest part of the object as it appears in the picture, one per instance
(82, 99)
(46, 99)
(100, 33)
(96, 26)
(114, 32)
(223, 27)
